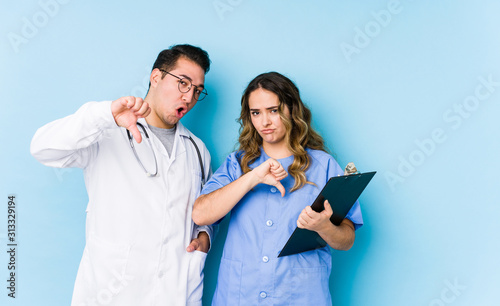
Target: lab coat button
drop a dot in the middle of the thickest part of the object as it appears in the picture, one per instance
(263, 295)
(273, 189)
(265, 259)
(269, 222)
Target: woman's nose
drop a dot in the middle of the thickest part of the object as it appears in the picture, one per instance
(266, 120)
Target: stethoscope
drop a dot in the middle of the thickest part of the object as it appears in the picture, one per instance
(135, 152)
(154, 155)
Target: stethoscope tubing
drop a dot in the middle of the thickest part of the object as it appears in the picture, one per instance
(130, 138)
(137, 156)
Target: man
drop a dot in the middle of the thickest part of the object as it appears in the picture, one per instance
(143, 170)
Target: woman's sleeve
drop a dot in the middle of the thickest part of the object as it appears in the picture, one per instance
(229, 171)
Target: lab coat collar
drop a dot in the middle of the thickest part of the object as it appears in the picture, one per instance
(182, 130)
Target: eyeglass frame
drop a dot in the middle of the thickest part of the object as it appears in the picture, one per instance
(189, 87)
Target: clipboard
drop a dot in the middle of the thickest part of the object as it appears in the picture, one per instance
(341, 192)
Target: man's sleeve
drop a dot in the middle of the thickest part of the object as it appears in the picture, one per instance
(72, 141)
(209, 229)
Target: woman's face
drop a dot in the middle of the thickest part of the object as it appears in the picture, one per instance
(265, 117)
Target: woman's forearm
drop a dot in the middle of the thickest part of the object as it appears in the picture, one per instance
(339, 237)
(210, 208)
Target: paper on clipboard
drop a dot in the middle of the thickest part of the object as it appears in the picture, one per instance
(341, 192)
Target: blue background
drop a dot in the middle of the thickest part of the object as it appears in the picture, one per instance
(394, 86)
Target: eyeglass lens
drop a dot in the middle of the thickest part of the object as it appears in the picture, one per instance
(185, 85)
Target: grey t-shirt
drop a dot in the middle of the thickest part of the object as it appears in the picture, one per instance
(166, 136)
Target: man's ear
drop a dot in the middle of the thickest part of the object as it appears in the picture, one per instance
(155, 77)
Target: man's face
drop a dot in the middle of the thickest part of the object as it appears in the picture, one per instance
(168, 104)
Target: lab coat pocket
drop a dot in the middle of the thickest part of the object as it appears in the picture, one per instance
(195, 277)
(107, 265)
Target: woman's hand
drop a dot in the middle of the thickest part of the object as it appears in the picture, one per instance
(271, 172)
(209, 208)
(314, 221)
(339, 237)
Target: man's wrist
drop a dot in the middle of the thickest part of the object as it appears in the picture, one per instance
(204, 238)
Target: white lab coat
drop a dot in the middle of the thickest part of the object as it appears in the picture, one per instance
(137, 227)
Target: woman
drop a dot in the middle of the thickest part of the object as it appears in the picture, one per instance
(275, 135)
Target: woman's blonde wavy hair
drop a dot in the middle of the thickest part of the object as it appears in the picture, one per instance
(299, 133)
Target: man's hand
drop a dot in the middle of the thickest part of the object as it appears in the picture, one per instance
(202, 243)
(271, 172)
(126, 111)
(314, 221)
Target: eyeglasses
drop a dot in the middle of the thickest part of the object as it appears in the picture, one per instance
(185, 85)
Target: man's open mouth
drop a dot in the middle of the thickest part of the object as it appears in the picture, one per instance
(180, 112)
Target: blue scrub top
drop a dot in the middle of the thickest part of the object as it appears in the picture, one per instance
(250, 272)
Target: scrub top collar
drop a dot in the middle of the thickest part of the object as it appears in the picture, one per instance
(283, 161)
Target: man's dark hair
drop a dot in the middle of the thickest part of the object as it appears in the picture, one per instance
(167, 58)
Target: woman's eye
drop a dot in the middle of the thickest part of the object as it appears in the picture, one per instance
(254, 113)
